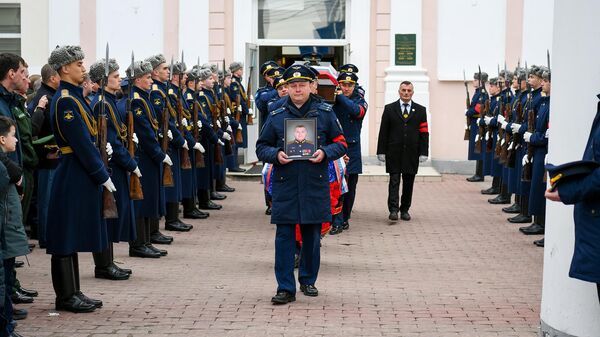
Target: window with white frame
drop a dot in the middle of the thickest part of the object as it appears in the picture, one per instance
(10, 28)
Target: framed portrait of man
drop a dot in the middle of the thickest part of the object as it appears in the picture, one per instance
(300, 138)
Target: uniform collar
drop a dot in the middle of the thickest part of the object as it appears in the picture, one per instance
(74, 90)
(304, 109)
(161, 85)
(140, 91)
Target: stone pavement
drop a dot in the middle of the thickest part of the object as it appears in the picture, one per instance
(457, 269)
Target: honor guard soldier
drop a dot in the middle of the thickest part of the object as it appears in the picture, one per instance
(538, 140)
(150, 158)
(121, 164)
(350, 109)
(188, 176)
(158, 97)
(232, 119)
(237, 90)
(265, 94)
(75, 219)
(473, 112)
(491, 166)
(300, 188)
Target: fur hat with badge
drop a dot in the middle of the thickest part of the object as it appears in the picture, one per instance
(61, 56)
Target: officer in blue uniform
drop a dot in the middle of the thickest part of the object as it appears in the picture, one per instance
(531, 105)
(150, 158)
(218, 94)
(121, 165)
(491, 166)
(538, 140)
(75, 221)
(351, 68)
(583, 193)
(237, 89)
(264, 94)
(474, 113)
(234, 128)
(300, 188)
(350, 108)
(173, 194)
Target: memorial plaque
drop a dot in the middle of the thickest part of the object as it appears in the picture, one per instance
(406, 50)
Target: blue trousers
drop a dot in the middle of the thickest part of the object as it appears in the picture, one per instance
(310, 255)
(45, 178)
(9, 282)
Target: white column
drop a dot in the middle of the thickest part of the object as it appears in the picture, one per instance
(406, 18)
(63, 18)
(569, 306)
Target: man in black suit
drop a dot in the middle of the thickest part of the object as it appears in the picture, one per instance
(403, 144)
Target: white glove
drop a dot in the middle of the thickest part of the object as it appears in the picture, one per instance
(185, 145)
(168, 160)
(547, 133)
(226, 136)
(466, 127)
(184, 122)
(478, 120)
(199, 123)
(228, 111)
(199, 147)
(170, 134)
(239, 108)
(218, 123)
(501, 119)
(527, 137)
(476, 138)
(525, 160)
(239, 127)
(422, 159)
(502, 141)
(135, 138)
(250, 112)
(515, 127)
(108, 184)
(137, 172)
(504, 124)
(109, 150)
(487, 120)
(381, 157)
(229, 128)
(227, 119)
(220, 142)
(466, 110)
(487, 136)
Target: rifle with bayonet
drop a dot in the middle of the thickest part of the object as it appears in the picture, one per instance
(135, 186)
(526, 174)
(505, 136)
(186, 164)
(109, 204)
(467, 135)
(517, 110)
(164, 145)
(250, 120)
(484, 108)
(223, 112)
(500, 135)
(214, 112)
(196, 129)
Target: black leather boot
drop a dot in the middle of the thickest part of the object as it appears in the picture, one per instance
(495, 189)
(63, 281)
(190, 211)
(502, 198)
(537, 227)
(478, 172)
(155, 235)
(105, 268)
(78, 293)
(522, 217)
(149, 245)
(172, 222)
(222, 187)
(514, 208)
(112, 258)
(137, 248)
(204, 201)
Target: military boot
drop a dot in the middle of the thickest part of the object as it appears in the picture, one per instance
(105, 268)
(63, 281)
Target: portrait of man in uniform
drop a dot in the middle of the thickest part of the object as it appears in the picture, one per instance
(299, 136)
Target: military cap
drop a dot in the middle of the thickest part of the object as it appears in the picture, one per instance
(213, 67)
(274, 71)
(540, 71)
(267, 66)
(192, 74)
(278, 81)
(349, 68)
(533, 70)
(140, 68)
(493, 81)
(204, 74)
(507, 75)
(234, 66)
(156, 60)
(97, 69)
(61, 56)
(546, 75)
(484, 76)
(179, 68)
(298, 72)
(347, 77)
(520, 73)
(570, 170)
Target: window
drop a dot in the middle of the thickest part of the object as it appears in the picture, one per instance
(302, 19)
(10, 28)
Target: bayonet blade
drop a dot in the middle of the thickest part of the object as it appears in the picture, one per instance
(132, 69)
(106, 62)
(548, 58)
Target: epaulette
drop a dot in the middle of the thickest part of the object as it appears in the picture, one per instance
(136, 95)
(171, 92)
(64, 93)
(189, 96)
(325, 106)
(201, 93)
(155, 87)
(277, 111)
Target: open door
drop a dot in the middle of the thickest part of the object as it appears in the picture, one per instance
(251, 72)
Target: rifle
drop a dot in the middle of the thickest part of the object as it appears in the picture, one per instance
(199, 155)
(135, 186)
(503, 138)
(500, 136)
(468, 104)
(185, 155)
(164, 144)
(484, 105)
(250, 120)
(518, 110)
(214, 112)
(238, 133)
(223, 111)
(109, 204)
(526, 174)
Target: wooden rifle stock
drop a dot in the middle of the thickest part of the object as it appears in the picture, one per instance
(215, 116)
(505, 138)
(467, 135)
(109, 204)
(250, 119)
(222, 112)
(484, 108)
(186, 164)
(527, 168)
(167, 172)
(238, 133)
(199, 155)
(135, 186)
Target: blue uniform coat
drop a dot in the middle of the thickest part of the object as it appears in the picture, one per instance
(539, 142)
(350, 112)
(473, 113)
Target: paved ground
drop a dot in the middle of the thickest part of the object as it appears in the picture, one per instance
(457, 269)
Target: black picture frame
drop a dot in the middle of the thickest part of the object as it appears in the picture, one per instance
(297, 148)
